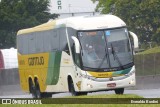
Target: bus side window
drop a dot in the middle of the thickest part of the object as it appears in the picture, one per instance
(20, 44)
(63, 40)
(25, 44)
(31, 43)
(54, 40)
(39, 42)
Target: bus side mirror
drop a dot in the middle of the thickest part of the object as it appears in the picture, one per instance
(135, 40)
(77, 44)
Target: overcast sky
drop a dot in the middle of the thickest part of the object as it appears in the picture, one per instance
(72, 6)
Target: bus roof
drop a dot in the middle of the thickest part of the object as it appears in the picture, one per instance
(79, 23)
(46, 26)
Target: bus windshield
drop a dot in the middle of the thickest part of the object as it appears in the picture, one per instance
(105, 49)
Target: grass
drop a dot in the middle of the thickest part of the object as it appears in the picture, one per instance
(152, 50)
(93, 105)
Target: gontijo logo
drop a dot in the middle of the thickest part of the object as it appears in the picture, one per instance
(33, 61)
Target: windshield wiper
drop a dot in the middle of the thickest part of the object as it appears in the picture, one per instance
(116, 57)
(102, 62)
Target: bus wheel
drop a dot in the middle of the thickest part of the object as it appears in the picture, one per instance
(32, 89)
(119, 91)
(71, 88)
(38, 93)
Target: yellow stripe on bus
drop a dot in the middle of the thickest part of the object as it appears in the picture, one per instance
(101, 74)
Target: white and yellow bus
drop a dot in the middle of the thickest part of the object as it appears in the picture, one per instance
(77, 54)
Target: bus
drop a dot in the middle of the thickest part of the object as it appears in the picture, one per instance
(77, 55)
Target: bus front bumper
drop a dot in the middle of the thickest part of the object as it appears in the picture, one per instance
(89, 85)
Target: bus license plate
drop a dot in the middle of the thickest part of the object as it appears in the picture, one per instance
(111, 85)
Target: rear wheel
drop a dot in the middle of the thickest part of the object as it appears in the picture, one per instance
(32, 89)
(40, 94)
(119, 91)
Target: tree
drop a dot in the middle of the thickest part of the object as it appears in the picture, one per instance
(20, 14)
(141, 16)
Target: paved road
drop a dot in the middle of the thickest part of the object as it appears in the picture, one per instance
(151, 93)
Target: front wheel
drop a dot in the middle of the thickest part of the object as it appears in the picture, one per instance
(72, 90)
(119, 91)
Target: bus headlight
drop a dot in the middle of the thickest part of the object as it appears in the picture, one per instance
(88, 77)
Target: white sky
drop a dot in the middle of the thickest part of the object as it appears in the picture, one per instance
(75, 6)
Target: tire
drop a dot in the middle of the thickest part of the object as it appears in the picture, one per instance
(32, 89)
(40, 94)
(72, 89)
(119, 91)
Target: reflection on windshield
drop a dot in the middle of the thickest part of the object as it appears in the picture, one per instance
(97, 50)
(93, 48)
(118, 40)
